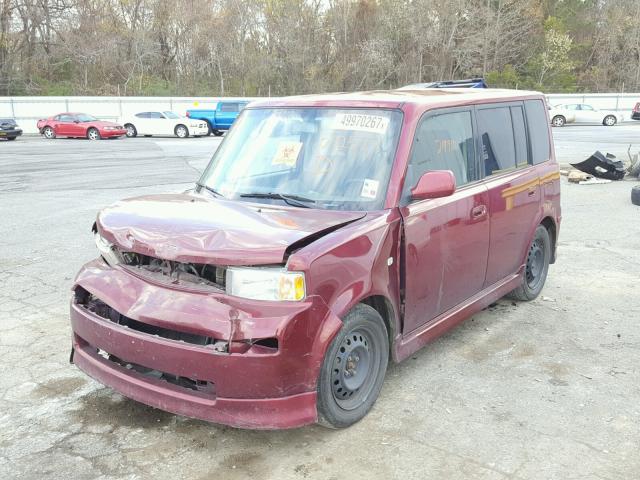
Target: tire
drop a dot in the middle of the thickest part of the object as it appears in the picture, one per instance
(48, 133)
(536, 268)
(217, 133)
(11, 138)
(181, 131)
(93, 134)
(345, 395)
(558, 121)
(609, 121)
(131, 130)
(635, 195)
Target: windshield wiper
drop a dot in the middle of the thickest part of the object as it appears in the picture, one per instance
(293, 200)
(209, 189)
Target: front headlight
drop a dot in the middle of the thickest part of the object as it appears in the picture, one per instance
(107, 250)
(265, 283)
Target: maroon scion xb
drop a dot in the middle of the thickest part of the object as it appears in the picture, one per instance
(328, 235)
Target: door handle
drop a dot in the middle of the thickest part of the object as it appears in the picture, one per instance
(531, 192)
(478, 211)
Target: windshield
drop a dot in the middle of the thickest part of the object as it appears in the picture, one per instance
(83, 117)
(171, 115)
(331, 158)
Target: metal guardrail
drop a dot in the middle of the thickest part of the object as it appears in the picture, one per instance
(27, 110)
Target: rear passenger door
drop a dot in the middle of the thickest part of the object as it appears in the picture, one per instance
(446, 240)
(513, 185)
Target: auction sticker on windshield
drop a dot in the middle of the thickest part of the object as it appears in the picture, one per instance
(369, 188)
(287, 154)
(361, 122)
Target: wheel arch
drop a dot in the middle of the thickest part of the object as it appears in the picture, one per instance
(384, 307)
(550, 224)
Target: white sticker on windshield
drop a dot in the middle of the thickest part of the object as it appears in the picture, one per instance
(287, 154)
(369, 188)
(361, 122)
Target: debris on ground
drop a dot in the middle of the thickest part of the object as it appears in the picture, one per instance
(601, 166)
(576, 176)
(594, 180)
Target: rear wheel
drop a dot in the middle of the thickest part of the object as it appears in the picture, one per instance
(181, 131)
(558, 121)
(536, 268)
(217, 133)
(353, 369)
(609, 121)
(93, 134)
(11, 138)
(131, 130)
(49, 133)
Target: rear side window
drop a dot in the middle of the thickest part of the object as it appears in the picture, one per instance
(519, 136)
(142, 115)
(537, 121)
(229, 107)
(498, 141)
(155, 115)
(443, 142)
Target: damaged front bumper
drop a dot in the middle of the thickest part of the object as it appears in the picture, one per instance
(205, 355)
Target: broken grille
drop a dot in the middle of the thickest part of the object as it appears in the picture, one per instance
(178, 273)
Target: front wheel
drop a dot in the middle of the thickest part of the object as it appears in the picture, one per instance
(353, 369)
(558, 121)
(181, 131)
(93, 134)
(217, 133)
(49, 133)
(536, 268)
(11, 138)
(609, 120)
(131, 130)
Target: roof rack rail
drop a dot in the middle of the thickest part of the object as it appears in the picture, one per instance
(477, 82)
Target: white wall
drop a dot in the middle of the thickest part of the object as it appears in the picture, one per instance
(27, 110)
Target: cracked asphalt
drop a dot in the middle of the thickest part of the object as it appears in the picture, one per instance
(542, 390)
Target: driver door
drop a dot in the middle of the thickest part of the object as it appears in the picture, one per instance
(446, 239)
(589, 115)
(64, 126)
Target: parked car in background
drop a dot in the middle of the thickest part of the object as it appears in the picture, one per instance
(635, 113)
(9, 129)
(329, 234)
(164, 123)
(465, 83)
(585, 113)
(79, 125)
(560, 117)
(221, 118)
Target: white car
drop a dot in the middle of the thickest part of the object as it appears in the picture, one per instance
(560, 117)
(164, 123)
(588, 114)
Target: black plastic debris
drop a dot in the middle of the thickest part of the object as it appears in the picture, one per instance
(602, 166)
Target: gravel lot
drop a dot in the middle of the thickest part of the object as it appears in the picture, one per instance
(544, 390)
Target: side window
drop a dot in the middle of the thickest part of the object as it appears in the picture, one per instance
(155, 115)
(66, 118)
(443, 142)
(498, 143)
(538, 131)
(520, 136)
(142, 115)
(585, 107)
(229, 107)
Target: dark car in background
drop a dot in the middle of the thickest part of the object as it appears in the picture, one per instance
(9, 129)
(635, 113)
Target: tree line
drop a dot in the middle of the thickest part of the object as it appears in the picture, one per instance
(283, 47)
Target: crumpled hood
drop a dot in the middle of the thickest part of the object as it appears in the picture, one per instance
(193, 228)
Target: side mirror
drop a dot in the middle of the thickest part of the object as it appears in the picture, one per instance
(434, 184)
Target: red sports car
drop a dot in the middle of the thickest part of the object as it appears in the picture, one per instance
(79, 125)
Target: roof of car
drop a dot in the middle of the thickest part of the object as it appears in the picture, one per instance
(396, 98)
